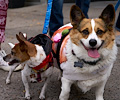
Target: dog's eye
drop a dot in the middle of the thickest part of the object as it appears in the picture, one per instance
(99, 32)
(85, 32)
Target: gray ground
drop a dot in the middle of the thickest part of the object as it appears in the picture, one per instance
(30, 20)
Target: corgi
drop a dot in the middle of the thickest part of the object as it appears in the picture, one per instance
(86, 53)
(34, 56)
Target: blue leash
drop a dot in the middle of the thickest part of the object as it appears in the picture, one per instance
(117, 5)
(47, 17)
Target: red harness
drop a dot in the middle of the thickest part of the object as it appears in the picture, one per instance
(48, 60)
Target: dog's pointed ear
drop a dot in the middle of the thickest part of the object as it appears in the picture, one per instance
(108, 16)
(18, 38)
(11, 45)
(31, 49)
(25, 35)
(21, 35)
(76, 16)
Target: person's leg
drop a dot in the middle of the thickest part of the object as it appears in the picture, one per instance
(117, 27)
(3, 15)
(83, 5)
(56, 19)
(117, 30)
(80, 4)
(86, 7)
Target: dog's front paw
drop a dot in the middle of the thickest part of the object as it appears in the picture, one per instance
(7, 81)
(27, 97)
(100, 98)
(33, 80)
(42, 97)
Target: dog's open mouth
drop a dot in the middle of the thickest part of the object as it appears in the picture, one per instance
(93, 52)
(13, 62)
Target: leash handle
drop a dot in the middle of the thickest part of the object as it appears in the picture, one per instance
(117, 5)
(47, 17)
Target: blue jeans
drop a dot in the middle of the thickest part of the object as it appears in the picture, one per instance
(83, 5)
(118, 23)
(56, 19)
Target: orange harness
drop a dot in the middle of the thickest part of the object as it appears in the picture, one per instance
(62, 50)
(54, 45)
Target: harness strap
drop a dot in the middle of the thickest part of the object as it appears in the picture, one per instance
(47, 60)
(62, 52)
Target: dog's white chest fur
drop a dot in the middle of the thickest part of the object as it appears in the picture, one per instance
(89, 75)
(40, 56)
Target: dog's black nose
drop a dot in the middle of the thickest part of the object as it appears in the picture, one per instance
(4, 58)
(92, 42)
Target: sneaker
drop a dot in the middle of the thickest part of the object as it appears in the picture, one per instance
(2, 53)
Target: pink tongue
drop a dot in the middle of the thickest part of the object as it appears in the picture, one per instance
(93, 53)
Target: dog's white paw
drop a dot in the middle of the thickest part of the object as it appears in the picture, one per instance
(100, 98)
(33, 80)
(27, 97)
(42, 97)
(7, 81)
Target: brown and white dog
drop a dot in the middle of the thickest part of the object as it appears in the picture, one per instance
(30, 56)
(87, 53)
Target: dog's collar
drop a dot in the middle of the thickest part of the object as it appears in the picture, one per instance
(91, 62)
(47, 61)
(81, 62)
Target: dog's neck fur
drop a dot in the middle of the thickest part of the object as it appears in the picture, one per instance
(109, 56)
(39, 57)
(86, 62)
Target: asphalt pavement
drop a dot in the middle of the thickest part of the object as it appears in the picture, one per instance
(30, 20)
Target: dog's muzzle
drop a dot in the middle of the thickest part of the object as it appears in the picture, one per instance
(92, 42)
(13, 61)
(93, 52)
